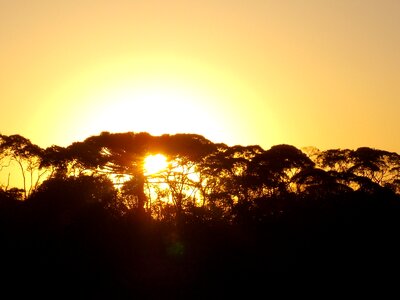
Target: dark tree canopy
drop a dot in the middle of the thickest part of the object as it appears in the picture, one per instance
(203, 173)
(214, 221)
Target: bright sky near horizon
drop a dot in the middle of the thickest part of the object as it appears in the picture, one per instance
(306, 73)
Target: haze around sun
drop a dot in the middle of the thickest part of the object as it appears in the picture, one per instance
(305, 73)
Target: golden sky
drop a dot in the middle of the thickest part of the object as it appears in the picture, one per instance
(310, 72)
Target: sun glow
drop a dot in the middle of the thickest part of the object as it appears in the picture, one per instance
(158, 97)
(154, 164)
(156, 108)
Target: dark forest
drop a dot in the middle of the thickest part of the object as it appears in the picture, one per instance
(216, 221)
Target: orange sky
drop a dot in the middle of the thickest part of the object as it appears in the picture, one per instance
(321, 73)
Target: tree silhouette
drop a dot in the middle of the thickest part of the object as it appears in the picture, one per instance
(273, 171)
(362, 168)
(18, 149)
(216, 218)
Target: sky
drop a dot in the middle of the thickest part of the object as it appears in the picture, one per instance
(323, 73)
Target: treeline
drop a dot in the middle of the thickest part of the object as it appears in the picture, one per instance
(212, 177)
(88, 217)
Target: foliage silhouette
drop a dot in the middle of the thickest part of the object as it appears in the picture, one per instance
(217, 221)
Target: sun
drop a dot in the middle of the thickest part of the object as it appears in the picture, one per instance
(154, 164)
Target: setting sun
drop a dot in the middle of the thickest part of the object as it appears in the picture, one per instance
(171, 148)
(154, 164)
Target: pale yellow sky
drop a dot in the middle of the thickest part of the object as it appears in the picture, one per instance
(321, 73)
